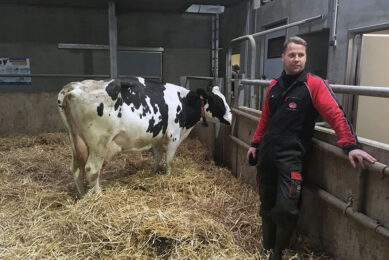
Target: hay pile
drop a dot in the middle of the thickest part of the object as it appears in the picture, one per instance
(198, 212)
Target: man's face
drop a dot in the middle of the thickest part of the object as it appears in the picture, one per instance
(294, 58)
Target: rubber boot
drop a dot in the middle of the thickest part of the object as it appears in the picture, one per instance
(283, 237)
(268, 233)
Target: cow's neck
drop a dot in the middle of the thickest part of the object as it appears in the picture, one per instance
(192, 112)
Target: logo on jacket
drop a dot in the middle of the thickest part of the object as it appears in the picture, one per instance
(292, 105)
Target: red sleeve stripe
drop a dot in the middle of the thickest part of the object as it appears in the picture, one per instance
(339, 106)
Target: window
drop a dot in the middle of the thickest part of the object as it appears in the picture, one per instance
(274, 47)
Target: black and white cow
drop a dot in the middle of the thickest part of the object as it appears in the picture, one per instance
(106, 117)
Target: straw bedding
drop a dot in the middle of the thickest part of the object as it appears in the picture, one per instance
(197, 212)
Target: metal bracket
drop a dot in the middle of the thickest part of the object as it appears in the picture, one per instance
(383, 171)
(350, 200)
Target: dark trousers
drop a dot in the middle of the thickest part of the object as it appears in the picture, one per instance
(280, 183)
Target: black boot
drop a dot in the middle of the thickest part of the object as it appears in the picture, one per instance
(268, 233)
(282, 241)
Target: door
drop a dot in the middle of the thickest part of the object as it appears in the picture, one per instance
(373, 112)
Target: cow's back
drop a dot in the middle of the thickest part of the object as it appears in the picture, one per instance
(132, 114)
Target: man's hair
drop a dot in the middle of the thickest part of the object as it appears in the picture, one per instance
(236, 67)
(296, 40)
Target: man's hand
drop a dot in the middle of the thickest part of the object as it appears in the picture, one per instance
(359, 155)
(251, 151)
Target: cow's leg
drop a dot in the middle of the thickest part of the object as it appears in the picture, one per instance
(92, 170)
(97, 152)
(171, 150)
(157, 150)
(77, 171)
(79, 155)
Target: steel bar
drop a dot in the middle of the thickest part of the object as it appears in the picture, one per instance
(348, 211)
(229, 59)
(244, 114)
(54, 75)
(113, 41)
(308, 20)
(200, 78)
(361, 90)
(341, 89)
(81, 46)
(334, 23)
(239, 142)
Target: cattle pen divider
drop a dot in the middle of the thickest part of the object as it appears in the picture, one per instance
(378, 168)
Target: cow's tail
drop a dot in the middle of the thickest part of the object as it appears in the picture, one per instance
(79, 147)
(62, 103)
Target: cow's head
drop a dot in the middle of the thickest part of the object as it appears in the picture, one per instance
(215, 106)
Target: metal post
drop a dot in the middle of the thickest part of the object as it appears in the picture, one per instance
(217, 46)
(213, 45)
(112, 26)
(334, 23)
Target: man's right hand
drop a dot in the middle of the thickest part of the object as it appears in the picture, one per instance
(252, 150)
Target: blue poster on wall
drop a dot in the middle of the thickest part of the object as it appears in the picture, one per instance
(14, 66)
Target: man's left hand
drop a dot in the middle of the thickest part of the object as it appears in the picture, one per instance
(360, 155)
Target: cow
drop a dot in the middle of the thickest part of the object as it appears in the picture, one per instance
(103, 118)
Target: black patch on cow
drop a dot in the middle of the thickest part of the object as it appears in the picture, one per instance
(113, 89)
(118, 103)
(216, 107)
(190, 113)
(134, 94)
(100, 109)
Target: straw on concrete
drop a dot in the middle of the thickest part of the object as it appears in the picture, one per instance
(198, 212)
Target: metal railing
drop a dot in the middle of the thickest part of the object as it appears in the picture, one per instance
(57, 75)
(252, 49)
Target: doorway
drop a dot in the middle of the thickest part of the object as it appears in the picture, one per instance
(372, 120)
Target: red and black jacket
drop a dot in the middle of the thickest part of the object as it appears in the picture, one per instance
(292, 112)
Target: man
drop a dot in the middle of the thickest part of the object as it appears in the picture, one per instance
(235, 71)
(284, 134)
(235, 75)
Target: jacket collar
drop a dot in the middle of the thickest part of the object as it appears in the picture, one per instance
(301, 78)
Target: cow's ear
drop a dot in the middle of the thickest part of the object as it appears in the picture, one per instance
(209, 89)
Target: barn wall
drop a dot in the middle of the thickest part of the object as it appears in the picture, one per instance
(34, 32)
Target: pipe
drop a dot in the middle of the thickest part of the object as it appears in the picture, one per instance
(341, 89)
(288, 25)
(113, 40)
(200, 78)
(334, 23)
(361, 90)
(217, 47)
(229, 65)
(244, 114)
(239, 142)
(82, 46)
(53, 75)
(348, 211)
